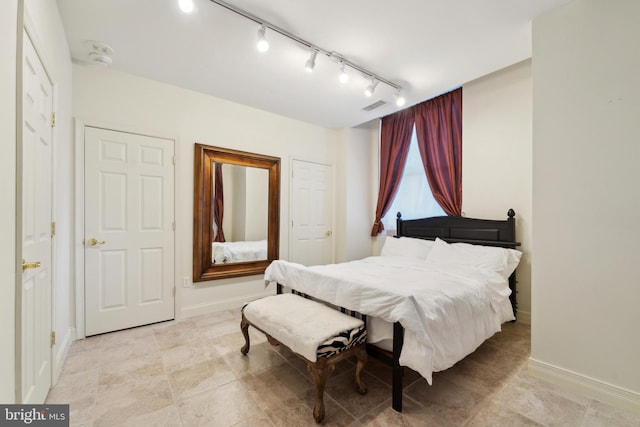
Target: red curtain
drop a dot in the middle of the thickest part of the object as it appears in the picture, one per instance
(218, 203)
(395, 138)
(439, 131)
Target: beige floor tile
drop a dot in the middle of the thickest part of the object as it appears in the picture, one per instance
(226, 405)
(129, 400)
(200, 376)
(260, 357)
(272, 386)
(79, 392)
(600, 414)
(342, 388)
(540, 403)
(412, 415)
(498, 416)
(166, 417)
(180, 356)
(142, 368)
(448, 401)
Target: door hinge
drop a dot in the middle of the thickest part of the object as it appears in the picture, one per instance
(173, 225)
(53, 338)
(53, 119)
(173, 159)
(53, 228)
(174, 291)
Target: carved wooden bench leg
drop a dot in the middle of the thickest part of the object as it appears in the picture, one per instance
(244, 327)
(361, 355)
(320, 372)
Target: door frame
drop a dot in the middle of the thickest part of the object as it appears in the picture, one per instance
(79, 126)
(27, 25)
(333, 202)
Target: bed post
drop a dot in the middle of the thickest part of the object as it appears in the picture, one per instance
(397, 370)
(512, 279)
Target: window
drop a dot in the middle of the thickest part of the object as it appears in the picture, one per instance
(414, 198)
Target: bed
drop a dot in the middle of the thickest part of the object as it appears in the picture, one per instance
(438, 290)
(242, 251)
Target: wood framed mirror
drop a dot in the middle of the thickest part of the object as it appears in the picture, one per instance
(236, 212)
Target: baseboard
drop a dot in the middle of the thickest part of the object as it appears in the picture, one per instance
(60, 355)
(221, 305)
(596, 389)
(524, 317)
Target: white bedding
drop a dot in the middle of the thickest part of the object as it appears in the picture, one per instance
(445, 315)
(225, 252)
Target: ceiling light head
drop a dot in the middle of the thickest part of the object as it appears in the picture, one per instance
(186, 5)
(400, 100)
(311, 62)
(263, 44)
(371, 88)
(344, 77)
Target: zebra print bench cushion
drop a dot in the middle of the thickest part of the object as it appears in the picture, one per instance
(343, 341)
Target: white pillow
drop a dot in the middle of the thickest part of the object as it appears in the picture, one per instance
(406, 247)
(486, 258)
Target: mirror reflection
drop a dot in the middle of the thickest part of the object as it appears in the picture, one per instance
(240, 213)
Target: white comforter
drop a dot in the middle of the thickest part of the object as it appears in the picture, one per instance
(238, 251)
(445, 315)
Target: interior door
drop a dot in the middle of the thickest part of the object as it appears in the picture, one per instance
(311, 213)
(129, 230)
(37, 101)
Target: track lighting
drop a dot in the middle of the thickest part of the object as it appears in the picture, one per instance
(186, 5)
(344, 77)
(311, 62)
(371, 88)
(263, 44)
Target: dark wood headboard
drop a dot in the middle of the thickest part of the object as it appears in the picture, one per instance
(456, 229)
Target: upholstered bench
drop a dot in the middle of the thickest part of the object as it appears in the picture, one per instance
(318, 334)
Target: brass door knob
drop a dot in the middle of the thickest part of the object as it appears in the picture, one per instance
(93, 242)
(27, 265)
(328, 233)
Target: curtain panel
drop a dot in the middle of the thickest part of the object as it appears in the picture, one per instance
(218, 203)
(395, 138)
(439, 132)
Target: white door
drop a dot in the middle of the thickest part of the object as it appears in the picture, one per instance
(35, 319)
(129, 237)
(311, 213)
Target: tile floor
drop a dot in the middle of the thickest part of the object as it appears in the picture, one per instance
(191, 373)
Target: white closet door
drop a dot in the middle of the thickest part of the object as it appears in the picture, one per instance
(129, 236)
(311, 213)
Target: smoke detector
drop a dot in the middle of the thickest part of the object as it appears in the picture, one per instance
(99, 52)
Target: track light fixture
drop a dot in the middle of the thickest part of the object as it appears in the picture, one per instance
(400, 101)
(371, 88)
(186, 5)
(263, 44)
(344, 77)
(311, 62)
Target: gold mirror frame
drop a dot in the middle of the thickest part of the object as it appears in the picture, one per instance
(205, 157)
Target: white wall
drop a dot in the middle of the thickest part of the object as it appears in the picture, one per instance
(357, 166)
(131, 103)
(8, 26)
(496, 158)
(586, 155)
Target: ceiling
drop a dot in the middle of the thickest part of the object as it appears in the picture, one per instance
(425, 46)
